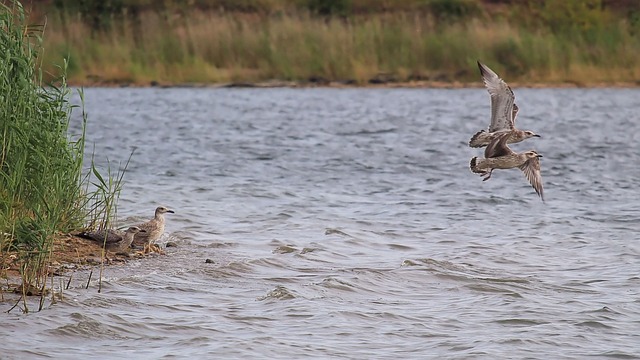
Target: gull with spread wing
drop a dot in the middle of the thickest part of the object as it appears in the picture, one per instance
(503, 112)
(498, 155)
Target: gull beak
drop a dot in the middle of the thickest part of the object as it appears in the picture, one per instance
(171, 211)
(536, 135)
(539, 155)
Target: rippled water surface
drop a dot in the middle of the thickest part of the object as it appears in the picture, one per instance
(345, 223)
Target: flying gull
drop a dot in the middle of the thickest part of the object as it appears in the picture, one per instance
(503, 112)
(499, 156)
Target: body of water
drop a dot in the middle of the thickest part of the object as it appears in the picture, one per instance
(345, 223)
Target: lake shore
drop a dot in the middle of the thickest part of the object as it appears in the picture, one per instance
(70, 253)
(400, 47)
(351, 84)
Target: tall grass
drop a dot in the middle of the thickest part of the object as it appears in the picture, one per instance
(216, 47)
(42, 186)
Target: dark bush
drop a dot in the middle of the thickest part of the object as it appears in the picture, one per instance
(330, 7)
(453, 9)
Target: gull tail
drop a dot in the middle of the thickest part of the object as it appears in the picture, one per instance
(476, 141)
(91, 236)
(472, 165)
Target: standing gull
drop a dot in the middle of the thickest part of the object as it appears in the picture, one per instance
(503, 112)
(499, 156)
(154, 229)
(114, 240)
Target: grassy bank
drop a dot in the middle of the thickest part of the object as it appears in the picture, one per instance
(43, 190)
(576, 41)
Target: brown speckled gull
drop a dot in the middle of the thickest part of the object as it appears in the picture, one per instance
(499, 156)
(503, 112)
(154, 228)
(116, 240)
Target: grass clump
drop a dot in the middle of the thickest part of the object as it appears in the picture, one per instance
(42, 187)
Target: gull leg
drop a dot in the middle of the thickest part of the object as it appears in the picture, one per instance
(157, 249)
(488, 174)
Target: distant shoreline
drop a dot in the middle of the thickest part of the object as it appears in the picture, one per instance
(180, 46)
(353, 85)
(413, 43)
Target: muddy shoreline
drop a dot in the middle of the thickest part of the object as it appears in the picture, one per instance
(70, 253)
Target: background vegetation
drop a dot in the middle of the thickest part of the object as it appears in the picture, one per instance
(43, 191)
(361, 41)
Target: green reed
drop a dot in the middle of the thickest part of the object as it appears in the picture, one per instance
(543, 43)
(43, 190)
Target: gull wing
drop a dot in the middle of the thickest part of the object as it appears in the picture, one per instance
(502, 100)
(531, 170)
(149, 227)
(498, 146)
(514, 113)
(113, 235)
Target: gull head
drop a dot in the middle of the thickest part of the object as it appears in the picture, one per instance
(135, 230)
(532, 154)
(162, 210)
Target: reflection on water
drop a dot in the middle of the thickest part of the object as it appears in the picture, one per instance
(333, 223)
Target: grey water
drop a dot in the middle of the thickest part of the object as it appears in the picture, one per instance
(345, 223)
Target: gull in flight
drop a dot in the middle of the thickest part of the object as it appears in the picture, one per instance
(498, 155)
(503, 112)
